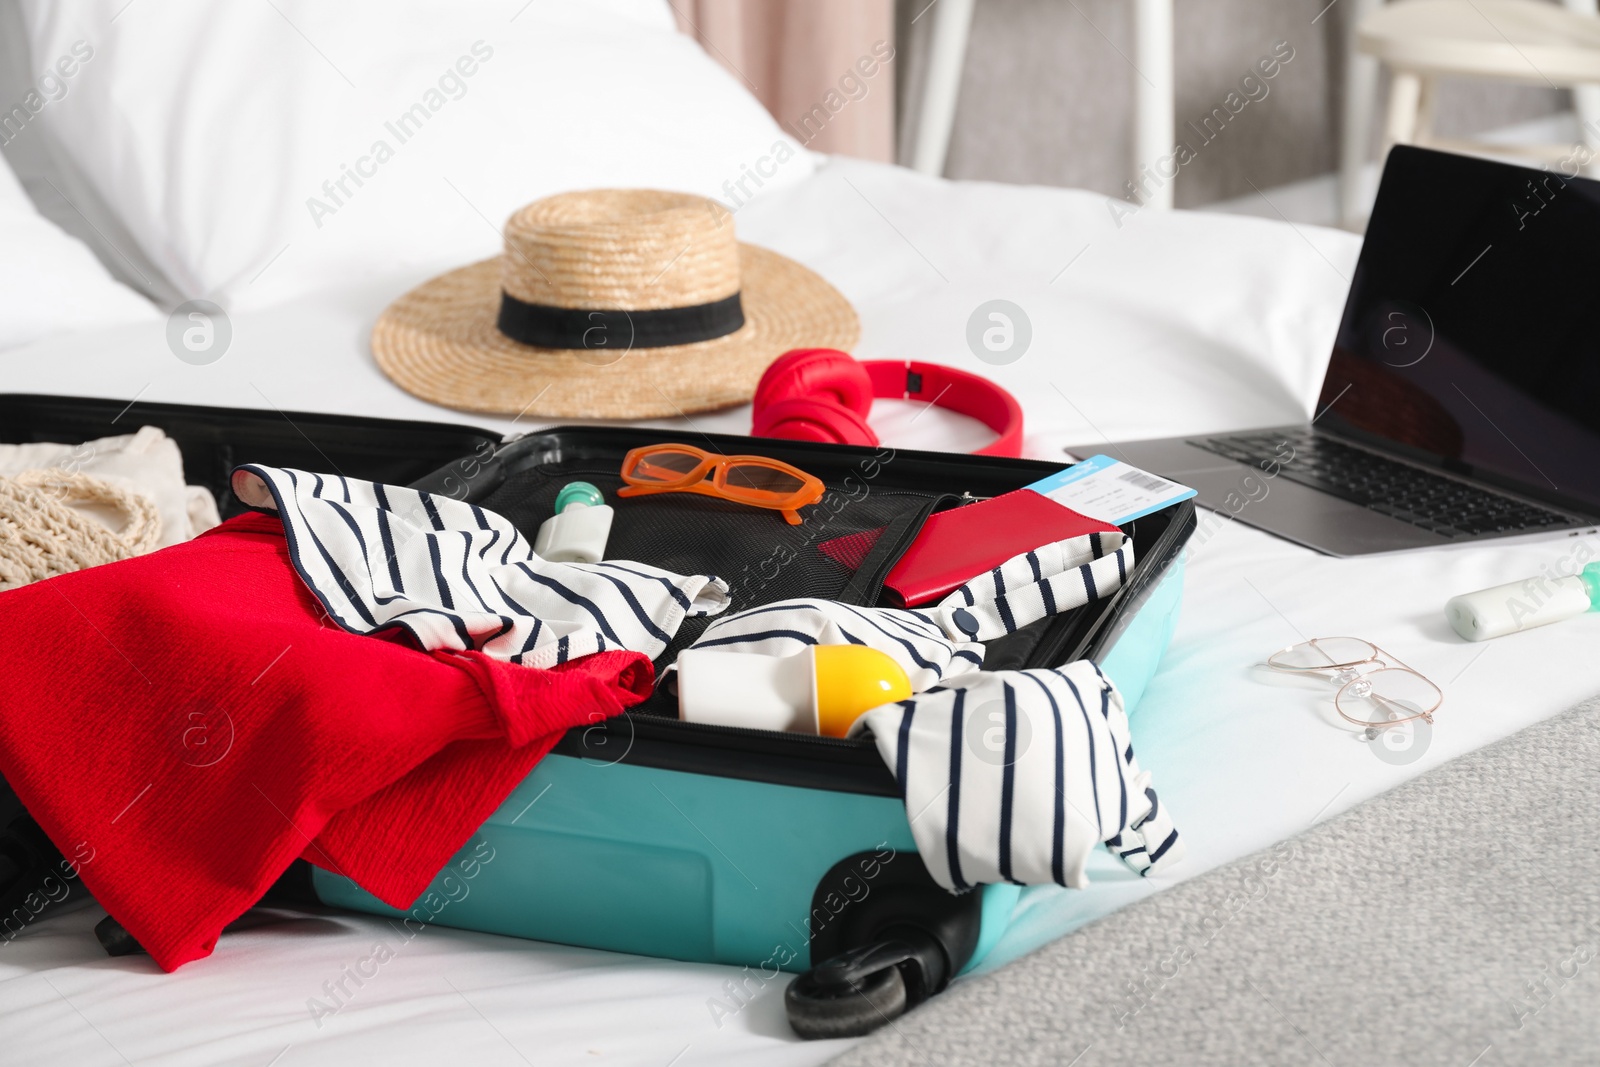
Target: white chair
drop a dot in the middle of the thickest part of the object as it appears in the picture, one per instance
(934, 113)
(1421, 41)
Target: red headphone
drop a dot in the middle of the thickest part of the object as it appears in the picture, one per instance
(823, 394)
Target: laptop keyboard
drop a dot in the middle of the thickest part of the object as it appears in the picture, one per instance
(1439, 504)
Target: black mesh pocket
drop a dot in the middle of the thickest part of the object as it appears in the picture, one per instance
(842, 551)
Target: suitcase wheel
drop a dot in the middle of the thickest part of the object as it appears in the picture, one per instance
(860, 990)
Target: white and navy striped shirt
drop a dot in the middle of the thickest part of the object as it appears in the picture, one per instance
(1015, 776)
(1007, 776)
(459, 577)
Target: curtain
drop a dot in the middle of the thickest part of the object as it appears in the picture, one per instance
(824, 68)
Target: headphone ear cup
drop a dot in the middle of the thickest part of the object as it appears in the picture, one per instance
(818, 373)
(803, 419)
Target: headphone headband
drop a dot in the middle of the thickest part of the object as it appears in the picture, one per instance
(955, 390)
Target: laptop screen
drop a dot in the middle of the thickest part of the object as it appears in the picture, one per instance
(1472, 332)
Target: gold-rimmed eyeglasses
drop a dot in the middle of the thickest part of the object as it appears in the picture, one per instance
(1376, 690)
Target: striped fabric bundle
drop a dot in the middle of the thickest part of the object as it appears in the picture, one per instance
(912, 638)
(1047, 581)
(457, 576)
(934, 645)
(1015, 776)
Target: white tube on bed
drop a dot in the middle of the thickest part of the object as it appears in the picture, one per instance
(1516, 606)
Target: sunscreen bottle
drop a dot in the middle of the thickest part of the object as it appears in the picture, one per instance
(1507, 609)
(823, 689)
(577, 532)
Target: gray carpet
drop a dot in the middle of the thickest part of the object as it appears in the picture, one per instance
(1453, 921)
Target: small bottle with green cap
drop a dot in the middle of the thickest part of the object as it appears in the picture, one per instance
(1517, 606)
(577, 532)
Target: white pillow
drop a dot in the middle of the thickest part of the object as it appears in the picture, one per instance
(261, 151)
(49, 282)
(57, 191)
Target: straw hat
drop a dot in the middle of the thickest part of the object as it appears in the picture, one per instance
(611, 303)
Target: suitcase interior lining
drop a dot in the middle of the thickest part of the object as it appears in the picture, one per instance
(763, 558)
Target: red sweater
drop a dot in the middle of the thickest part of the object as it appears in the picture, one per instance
(193, 721)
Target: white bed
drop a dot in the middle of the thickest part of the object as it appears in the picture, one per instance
(1172, 322)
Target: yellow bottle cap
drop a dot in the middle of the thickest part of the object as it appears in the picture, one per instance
(852, 680)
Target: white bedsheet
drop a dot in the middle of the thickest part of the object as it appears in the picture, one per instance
(1169, 323)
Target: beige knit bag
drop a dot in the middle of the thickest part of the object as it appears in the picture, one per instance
(41, 535)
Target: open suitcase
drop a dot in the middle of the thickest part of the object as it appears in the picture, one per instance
(644, 834)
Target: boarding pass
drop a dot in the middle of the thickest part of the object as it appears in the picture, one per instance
(1110, 490)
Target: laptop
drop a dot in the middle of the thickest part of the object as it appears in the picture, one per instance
(1462, 399)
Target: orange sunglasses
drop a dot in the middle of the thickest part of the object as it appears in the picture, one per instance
(754, 480)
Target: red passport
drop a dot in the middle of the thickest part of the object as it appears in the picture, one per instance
(957, 545)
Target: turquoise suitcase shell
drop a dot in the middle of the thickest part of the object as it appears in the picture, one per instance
(599, 848)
